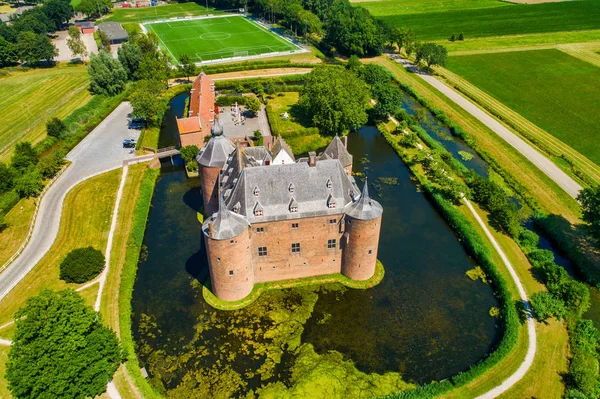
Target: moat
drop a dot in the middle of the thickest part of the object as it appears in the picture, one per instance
(426, 320)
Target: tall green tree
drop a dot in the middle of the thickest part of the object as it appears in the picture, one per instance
(590, 207)
(374, 74)
(29, 182)
(23, 156)
(104, 41)
(154, 66)
(352, 30)
(336, 98)
(8, 52)
(130, 56)
(145, 101)
(186, 66)
(7, 176)
(107, 75)
(75, 43)
(59, 12)
(432, 54)
(389, 100)
(60, 349)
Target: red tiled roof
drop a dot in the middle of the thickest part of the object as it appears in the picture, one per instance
(189, 125)
(202, 104)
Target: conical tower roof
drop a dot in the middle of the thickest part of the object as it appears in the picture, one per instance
(225, 223)
(365, 208)
(337, 150)
(215, 153)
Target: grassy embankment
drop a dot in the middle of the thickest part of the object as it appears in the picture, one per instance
(439, 20)
(294, 130)
(17, 222)
(547, 87)
(162, 12)
(29, 99)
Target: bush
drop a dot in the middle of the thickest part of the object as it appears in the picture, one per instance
(528, 239)
(191, 166)
(8, 201)
(540, 257)
(55, 128)
(545, 305)
(81, 265)
(6, 178)
(29, 184)
(50, 165)
(188, 153)
(24, 156)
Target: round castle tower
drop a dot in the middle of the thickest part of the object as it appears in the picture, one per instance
(227, 238)
(361, 237)
(211, 159)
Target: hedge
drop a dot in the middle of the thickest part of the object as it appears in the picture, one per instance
(247, 83)
(473, 243)
(128, 273)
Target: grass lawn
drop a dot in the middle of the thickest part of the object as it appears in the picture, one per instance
(217, 38)
(17, 221)
(161, 12)
(29, 99)
(295, 130)
(557, 92)
(85, 221)
(4, 392)
(439, 20)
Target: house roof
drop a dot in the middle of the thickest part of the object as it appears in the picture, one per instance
(85, 24)
(281, 145)
(114, 30)
(337, 150)
(189, 125)
(202, 104)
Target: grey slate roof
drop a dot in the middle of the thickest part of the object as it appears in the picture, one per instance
(114, 30)
(310, 192)
(281, 145)
(215, 153)
(226, 224)
(337, 150)
(365, 208)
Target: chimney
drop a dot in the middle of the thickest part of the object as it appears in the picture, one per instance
(211, 230)
(345, 141)
(312, 159)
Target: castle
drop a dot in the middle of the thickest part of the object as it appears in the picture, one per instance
(197, 124)
(275, 217)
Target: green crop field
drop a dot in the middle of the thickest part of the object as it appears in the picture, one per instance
(29, 99)
(438, 20)
(554, 90)
(217, 38)
(161, 12)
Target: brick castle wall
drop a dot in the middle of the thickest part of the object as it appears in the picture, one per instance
(360, 248)
(208, 180)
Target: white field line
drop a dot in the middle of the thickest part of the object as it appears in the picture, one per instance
(5, 342)
(532, 347)
(32, 224)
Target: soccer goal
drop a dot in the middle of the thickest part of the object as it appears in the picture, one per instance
(240, 54)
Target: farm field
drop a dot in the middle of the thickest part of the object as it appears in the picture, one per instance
(554, 90)
(29, 99)
(161, 12)
(483, 18)
(217, 38)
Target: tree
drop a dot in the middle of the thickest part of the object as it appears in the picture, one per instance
(55, 127)
(308, 23)
(107, 75)
(461, 37)
(374, 74)
(354, 64)
(23, 156)
(590, 208)
(130, 56)
(453, 38)
(576, 296)
(336, 98)
(104, 41)
(27, 47)
(432, 54)
(154, 66)
(45, 49)
(8, 52)
(545, 305)
(188, 153)
(60, 349)
(186, 66)
(583, 370)
(75, 44)
(7, 178)
(29, 183)
(389, 100)
(145, 102)
(81, 265)
(252, 104)
(94, 7)
(50, 165)
(352, 30)
(404, 38)
(58, 11)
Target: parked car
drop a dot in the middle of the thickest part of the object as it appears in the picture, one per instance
(129, 143)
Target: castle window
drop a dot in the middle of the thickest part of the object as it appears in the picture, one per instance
(260, 229)
(330, 201)
(329, 184)
(231, 241)
(218, 259)
(295, 247)
(291, 188)
(370, 251)
(231, 272)
(332, 221)
(331, 244)
(293, 206)
(256, 191)
(294, 225)
(258, 209)
(262, 251)
(293, 209)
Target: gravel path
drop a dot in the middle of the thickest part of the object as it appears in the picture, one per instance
(544, 164)
(99, 152)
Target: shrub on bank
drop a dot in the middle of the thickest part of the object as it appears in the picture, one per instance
(81, 265)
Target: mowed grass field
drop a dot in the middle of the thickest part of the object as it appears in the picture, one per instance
(554, 90)
(29, 99)
(161, 12)
(438, 20)
(217, 38)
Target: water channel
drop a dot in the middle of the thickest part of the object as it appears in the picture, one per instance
(426, 320)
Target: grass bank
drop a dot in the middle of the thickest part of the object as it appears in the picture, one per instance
(17, 221)
(28, 99)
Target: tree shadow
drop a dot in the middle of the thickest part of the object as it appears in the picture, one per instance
(300, 116)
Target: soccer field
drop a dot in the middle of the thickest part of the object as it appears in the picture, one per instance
(217, 38)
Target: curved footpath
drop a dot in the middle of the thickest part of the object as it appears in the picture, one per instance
(539, 160)
(101, 151)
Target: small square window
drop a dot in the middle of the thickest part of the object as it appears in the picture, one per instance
(370, 251)
(231, 272)
(218, 259)
(294, 209)
(332, 221)
(295, 247)
(260, 229)
(262, 251)
(294, 225)
(231, 241)
(331, 244)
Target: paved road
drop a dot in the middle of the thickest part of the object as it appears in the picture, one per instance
(544, 164)
(99, 152)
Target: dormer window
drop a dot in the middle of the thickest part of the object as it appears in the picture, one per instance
(293, 206)
(237, 207)
(329, 184)
(330, 201)
(256, 191)
(291, 188)
(258, 209)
